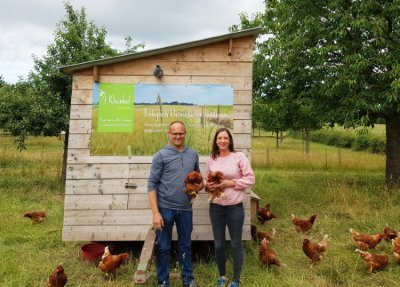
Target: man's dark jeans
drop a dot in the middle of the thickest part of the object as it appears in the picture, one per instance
(184, 227)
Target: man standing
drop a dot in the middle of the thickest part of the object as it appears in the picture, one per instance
(171, 205)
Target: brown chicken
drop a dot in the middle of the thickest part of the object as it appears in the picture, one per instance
(390, 233)
(374, 261)
(106, 252)
(260, 235)
(215, 177)
(396, 248)
(193, 183)
(266, 255)
(58, 278)
(265, 214)
(303, 225)
(110, 263)
(315, 251)
(366, 241)
(36, 216)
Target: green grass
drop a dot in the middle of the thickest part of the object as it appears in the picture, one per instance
(345, 195)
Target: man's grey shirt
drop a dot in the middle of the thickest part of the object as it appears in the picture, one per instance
(169, 169)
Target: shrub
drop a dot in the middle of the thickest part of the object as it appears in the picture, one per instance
(360, 143)
(346, 140)
(377, 145)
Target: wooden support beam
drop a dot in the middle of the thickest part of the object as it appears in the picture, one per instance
(230, 47)
(95, 74)
(142, 272)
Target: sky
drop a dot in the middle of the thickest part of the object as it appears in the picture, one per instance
(27, 26)
(194, 94)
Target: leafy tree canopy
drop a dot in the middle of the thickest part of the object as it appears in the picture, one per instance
(336, 60)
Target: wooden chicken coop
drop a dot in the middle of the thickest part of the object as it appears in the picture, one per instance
(106, 188)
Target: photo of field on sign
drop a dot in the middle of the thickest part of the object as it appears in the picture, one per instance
(133, 120)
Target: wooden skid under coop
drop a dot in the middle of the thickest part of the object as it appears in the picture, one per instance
(142, 272)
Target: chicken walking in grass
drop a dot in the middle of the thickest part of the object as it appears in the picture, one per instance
(105, 253)
(110, 263)
(266, 255)
(36, 216)
(315, 251)
(257, 235)
(366, 241)
(58, 278)
(303, 225)
(374, 261)
(265, 214)
(390, 233)
(396, 248)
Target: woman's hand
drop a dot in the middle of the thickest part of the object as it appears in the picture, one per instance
(226, 183)
(210, 186)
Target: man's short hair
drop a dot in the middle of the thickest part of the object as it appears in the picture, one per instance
(176, 122)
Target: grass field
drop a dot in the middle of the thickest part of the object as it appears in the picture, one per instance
(345, 193)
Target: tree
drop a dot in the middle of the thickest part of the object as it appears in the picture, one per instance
(280, 88)
(2, 82)
(342, 59)
(23, 110)
(75, 40)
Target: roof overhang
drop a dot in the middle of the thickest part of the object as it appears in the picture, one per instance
(70, 69)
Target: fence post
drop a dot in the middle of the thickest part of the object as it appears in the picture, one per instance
(326, 159)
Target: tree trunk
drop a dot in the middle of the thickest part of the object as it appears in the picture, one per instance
(307, 141)
(65, 156)
(277, 140)
(392, 176)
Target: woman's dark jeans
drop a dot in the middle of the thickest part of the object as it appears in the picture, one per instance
(231, 216)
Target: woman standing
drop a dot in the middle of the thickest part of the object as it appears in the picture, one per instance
(228, 211)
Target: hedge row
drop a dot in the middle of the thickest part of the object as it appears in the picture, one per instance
(347, 139)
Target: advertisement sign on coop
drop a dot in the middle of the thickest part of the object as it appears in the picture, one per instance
(133, 119)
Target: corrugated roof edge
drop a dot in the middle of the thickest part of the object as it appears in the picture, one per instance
(76, 67)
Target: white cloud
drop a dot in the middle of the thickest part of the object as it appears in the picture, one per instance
(28, 26)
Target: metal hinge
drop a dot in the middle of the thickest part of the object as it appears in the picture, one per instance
(130, 185)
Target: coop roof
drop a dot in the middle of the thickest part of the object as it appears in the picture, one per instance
(126, 57)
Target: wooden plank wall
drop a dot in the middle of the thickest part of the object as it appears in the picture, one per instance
(98, 206)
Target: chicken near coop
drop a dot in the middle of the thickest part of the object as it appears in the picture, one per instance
(315, 251)
(303, 225)
(215, 177)
(396, 248)
(58, 278)
(373, 261)
(266, 255)
(110, 263)
(36, 216)
(106, 252)
(366, 241)
(193, 183)
(265, 214)
(257, 235)
(390, 233)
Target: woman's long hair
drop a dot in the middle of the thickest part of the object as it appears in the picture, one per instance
(215, 149)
